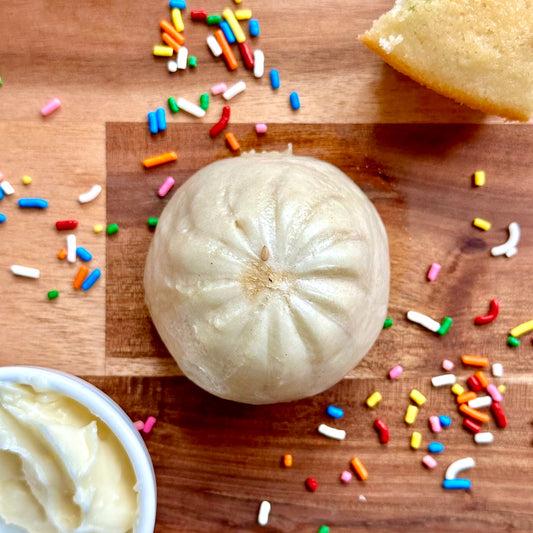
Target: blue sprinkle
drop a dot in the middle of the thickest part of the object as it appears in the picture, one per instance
(1, 193)
(334, 412)
(228, 32)
(90, 280)
(457, 484)
(445, 421)
(253, 27)
(161, 119)
(2, 218)
(295, 100)
(33, 202)
(152, 122)
(178, 4)
(83, 254)
(274, 78)
(435, 447)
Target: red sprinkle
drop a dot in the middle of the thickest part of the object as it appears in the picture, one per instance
(311, 483)
(472, 426)
(222, 123)
(499, 415)
(474, 384)
(494, 308)
(66, 224)
(383, 430)
(247, 54)
(199, 15)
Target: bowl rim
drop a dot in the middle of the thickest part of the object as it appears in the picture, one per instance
(105, 408)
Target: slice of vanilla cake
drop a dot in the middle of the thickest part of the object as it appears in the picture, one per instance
(478, 52)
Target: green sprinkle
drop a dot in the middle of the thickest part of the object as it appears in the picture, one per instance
(173, 106)
(52, 295)
(387, 323)
(204, 101)
(0, 81)
(513, 341)
(445, 325)
(152, 222)
(213, 19)
(193, 62)
(112, 228)
(323, 529)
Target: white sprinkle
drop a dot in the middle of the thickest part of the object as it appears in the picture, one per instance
(172, 66)
(71, 248)
(362, 498)
(480, 401)
(508, 248)
(497, 370)
(214, 46)
(259, 63)
(25, 272)
(7, 187)
(332, 433)
(485, 437)
(264, 511)
(458, 466)
(423, 320)
(90, 195)
(189, 107)
(183, 54)
(234, 90)
(443, 379)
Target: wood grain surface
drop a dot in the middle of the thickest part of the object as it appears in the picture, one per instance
(411, 151)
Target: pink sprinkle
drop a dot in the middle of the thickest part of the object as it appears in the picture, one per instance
(434, 422)
(395, 372)
(167, 185)
(50, 107)
(261, 128)
(149, 424)
(1, 176)
(494, 392)
(219, 88)
(429, 462)
(448, 365)
(346, 476)
(433, 271)
(139, 425)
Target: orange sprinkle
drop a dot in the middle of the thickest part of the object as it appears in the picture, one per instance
(168, 28)
(359, 467)
(80, 277)
(160, 159)
(62, 253)
(168, 40)
(474, 413)
(482, 377)
(287, 460)
(229, 56)
(232, 141)
(475, 360)
(466, 397)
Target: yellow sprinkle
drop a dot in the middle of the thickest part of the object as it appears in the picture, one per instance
(287, 460)
(373, 399)
(521, 329)
(458, 389)
(502, 388)
(481, 223)
(234, 25)
(177, 19)
(162, 51)
(26, 180)
(479, 178)
(237, 1)
(416, 440)
(417, 397)
(97, 228)
(410, 414)
(243, 14)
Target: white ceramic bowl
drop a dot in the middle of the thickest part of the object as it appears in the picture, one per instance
(103, 407)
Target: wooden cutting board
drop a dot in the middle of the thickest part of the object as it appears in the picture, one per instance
(411, 151)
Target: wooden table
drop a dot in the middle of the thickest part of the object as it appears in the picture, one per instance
(412, 151)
